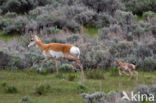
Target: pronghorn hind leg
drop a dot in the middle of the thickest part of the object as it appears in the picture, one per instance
(82, 72)
(137, 74)
(131, 74)
(55, 64)
(125, 73)
(74, 67)
(43, 62)
(72, 58)
(77, 62)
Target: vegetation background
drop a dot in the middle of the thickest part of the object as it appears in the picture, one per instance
(103, 30)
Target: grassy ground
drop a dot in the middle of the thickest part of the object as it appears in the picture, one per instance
(60, 89)
(91, 31)
(7, 37)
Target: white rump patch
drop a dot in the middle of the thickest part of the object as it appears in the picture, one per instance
(56, 54)
(75, 51)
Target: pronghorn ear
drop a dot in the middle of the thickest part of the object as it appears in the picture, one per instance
(36, 38)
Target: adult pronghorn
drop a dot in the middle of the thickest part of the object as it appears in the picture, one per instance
(55, 51)
(127, 67)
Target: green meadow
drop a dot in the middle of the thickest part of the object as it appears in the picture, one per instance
(63, 87)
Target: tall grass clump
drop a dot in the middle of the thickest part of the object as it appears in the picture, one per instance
(66, 68)
(71, 77)
(95, 74)
(41, 89)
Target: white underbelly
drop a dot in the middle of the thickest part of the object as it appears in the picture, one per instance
(56, 54)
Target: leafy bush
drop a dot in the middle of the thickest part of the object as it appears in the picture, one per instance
(10, 89)
(41, 89)
(3, 84)
(74, 10)
(21, 6)
(71, 77)
(150, 63)
(10, 62)
(108, 6)
(87, 18)
(81, 88)
(10, 15)
(94, 56)
(97, 97)
(103, 33)
(153, 90)
(143, 89)
(150, 14)
(124, 17)
(95, 74)
(54, 30)
(140, 6)
(122, 49)
(104, 20)
(65, 68)
(13, 25)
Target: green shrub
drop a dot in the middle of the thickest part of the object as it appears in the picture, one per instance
(121, 49)
(150, 63)
(65, 68)
(140, 6)
(95, 74)
(104, 32)
(81, 88)
(73, 38)
(104, 20)
(143, 89)
(54, 30)
(22, 6)
(74, 10)
(13, 25)
(153, 90)
(124, 17)
(10, 89)
(150, 14)
(71, 77)
(108, 6)
(3, 84)
(10, 15)
(41, 89)
(87, 18)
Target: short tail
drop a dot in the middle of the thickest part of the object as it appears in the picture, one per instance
(78, 53)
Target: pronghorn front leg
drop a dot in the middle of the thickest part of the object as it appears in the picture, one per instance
(43, 62)
(120, 71)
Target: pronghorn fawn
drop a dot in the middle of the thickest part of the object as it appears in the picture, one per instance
(55, 51)
(127, 67)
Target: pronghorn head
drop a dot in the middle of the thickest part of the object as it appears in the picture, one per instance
(33, 41)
